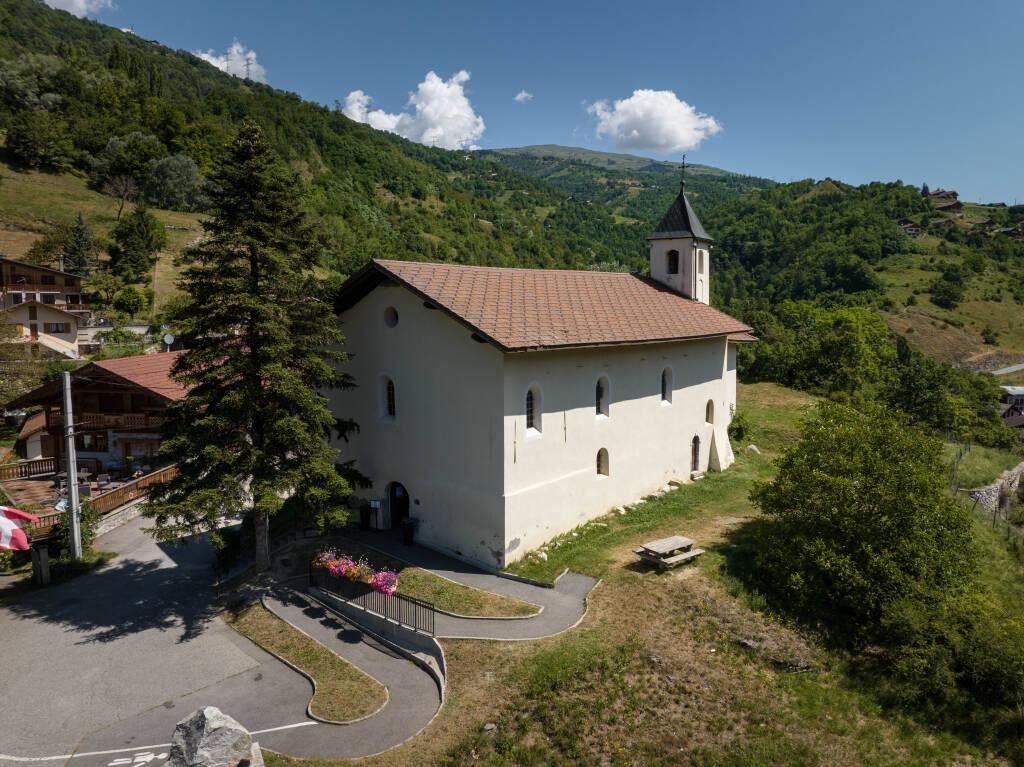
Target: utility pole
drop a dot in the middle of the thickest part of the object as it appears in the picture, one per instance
(72, 471)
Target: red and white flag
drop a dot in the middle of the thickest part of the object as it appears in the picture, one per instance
(11, 534)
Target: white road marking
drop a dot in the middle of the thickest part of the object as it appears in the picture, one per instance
(134, 750)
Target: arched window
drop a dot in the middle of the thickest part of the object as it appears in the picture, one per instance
(602, 462)
(673, 261)
(601, 396)
(387, 398)
(695, 454)
(700, 262)
(666, 386)
(709, 412)
(534, 409)
(391, 316)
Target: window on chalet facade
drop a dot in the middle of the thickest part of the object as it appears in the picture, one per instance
(56, 327)
(91, 442)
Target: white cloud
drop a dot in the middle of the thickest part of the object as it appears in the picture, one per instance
(438, 113)
(522, 97)
(80, 7)
(653, 120)
(236, 60)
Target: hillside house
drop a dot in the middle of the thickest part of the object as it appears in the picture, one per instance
(954, 207)
(943, 194)
(22, 283)
(909, 227)
(118, 408)
(500, 407)
(45, 329)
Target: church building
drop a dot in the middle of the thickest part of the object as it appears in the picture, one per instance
(500, 407)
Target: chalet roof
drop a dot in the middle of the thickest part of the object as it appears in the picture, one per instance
(27, 265)
(680, 221)
(147, 371)
(34, 424)
(742, 338)
(54, 307)
(529, 309)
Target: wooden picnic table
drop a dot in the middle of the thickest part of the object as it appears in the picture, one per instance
(669, 552)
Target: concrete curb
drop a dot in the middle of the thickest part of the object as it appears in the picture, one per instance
(530, 581)
(309, 706)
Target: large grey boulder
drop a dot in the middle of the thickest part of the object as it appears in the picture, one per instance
(211, 738)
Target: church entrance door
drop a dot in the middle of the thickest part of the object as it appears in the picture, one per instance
(398, 503)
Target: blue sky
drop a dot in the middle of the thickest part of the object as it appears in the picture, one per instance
(922, 91)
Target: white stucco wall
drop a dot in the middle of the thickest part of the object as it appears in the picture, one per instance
(694, 267)
(445, 443)
(64, 343)
(551, 479)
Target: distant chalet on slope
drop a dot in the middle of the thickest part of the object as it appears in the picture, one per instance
(501, 407)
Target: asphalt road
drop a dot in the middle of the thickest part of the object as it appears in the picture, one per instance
(109, 662)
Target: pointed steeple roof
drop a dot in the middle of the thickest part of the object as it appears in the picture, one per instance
(680, 220)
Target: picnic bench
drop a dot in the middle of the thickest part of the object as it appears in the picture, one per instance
(668, 552)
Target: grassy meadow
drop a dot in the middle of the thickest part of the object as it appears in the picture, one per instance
(685, 667)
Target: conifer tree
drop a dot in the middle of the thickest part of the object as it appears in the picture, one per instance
(80, 252)
(262, 348)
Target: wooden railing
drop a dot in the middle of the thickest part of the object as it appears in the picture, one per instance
(45, 526)
(130, 491)
(110, 420)
(24, 469)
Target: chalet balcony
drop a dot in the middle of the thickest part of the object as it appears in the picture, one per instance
(109, 420)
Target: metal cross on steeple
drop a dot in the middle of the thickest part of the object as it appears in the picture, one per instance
(682, 175)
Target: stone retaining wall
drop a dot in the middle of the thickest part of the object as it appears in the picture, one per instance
(988, 496)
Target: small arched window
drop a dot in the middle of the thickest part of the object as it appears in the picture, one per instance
(387, 393)
(695, 454)
(534, 409)
(602, 462)
(709, 412)
(391, 316)
(673, 262)
(601, 396)
(700, 262)
(666, 386)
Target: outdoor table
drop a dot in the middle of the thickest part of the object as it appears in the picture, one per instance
(669, 552)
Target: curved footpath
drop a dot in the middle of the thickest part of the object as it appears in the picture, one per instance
(564, 605)
(413, 694)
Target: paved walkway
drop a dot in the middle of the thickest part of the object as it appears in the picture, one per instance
(109, 662)
(564, 606)
(1007, 370)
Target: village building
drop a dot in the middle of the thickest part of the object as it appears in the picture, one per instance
(45, 306)
(943, 194)
(499, 407)
(954, 208)
(909, 226)
(118, 409)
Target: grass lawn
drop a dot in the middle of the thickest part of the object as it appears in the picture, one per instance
(445, 594)
(64, 569)
(982, 465)
(343, 692)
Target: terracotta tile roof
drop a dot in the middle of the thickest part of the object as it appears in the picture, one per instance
(522, 309)
(150, 371)
(33, 424)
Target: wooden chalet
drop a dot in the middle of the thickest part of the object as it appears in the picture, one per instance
(118, 409)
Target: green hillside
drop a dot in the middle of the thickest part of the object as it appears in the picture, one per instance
(634, 189)
(81, 92)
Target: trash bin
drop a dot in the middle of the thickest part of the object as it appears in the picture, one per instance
(408, 531)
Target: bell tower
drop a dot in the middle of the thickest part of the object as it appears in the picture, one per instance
(680, 249)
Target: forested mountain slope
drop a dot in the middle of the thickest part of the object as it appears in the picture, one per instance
(90, 99)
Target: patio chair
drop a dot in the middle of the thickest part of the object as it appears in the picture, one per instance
(102, 481)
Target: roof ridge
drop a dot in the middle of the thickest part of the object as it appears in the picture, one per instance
(527, 269)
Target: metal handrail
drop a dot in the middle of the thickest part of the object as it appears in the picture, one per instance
(413, 613)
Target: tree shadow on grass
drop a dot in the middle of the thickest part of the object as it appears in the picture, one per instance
(130, 596)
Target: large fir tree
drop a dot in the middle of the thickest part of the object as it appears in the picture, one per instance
(261, 350)
(80, 251)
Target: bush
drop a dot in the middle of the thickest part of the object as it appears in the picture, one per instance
(129, 300)
(862, 529)
(739, 427)
(174, 182)
(89, 520)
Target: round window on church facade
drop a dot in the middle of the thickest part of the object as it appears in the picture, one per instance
(391, 316)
